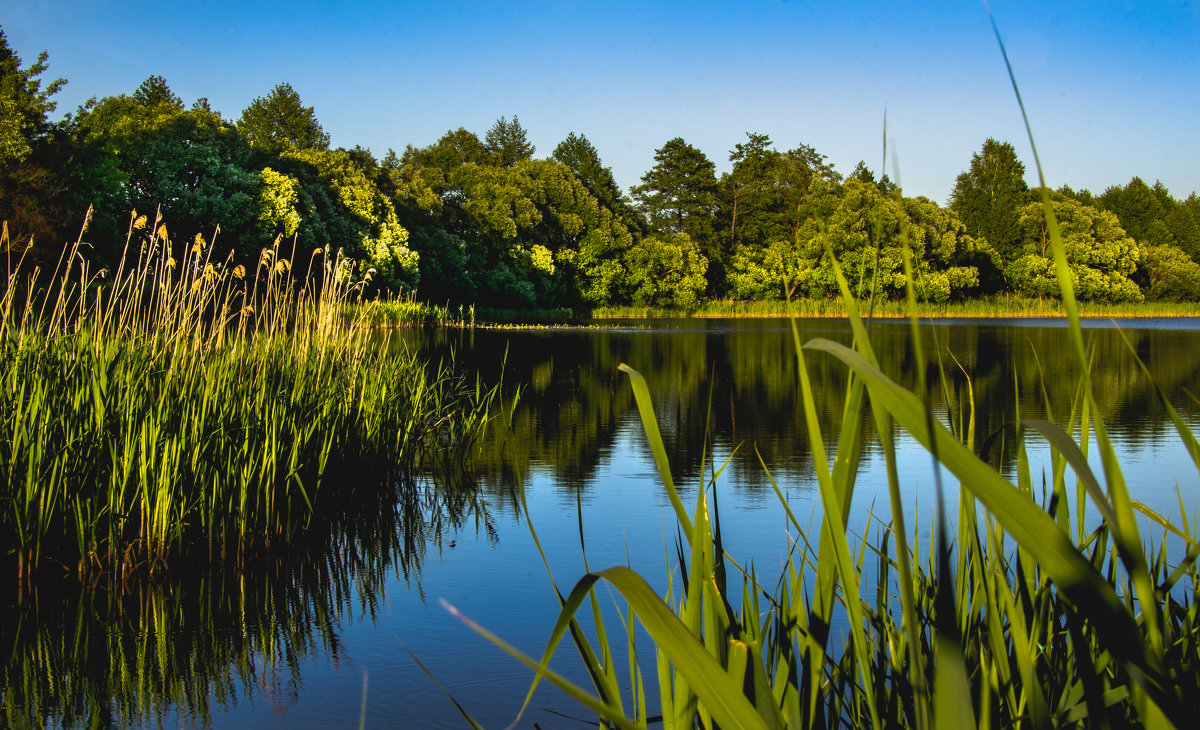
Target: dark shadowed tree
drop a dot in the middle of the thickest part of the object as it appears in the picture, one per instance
(30, 188)
(280, 121)
(508, 142)
(989, 196)
(1141, 211)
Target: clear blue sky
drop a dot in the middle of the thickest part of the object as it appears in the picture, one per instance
(1112, 88)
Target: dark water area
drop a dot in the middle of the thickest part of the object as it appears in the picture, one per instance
(322, 638)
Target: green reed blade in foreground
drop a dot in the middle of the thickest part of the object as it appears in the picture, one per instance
(1032, 528)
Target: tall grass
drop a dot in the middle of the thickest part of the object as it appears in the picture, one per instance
(407, 311)
(1022, 611)
(180, 404)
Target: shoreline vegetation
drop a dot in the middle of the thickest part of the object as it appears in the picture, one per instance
(410, 313)
(180, 407)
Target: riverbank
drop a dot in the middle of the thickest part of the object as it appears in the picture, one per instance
(989, 308)
(410, 313)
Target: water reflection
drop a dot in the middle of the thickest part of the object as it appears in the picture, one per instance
(735, 380)
(176, 652)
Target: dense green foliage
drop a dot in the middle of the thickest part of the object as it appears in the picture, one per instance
(466, 220)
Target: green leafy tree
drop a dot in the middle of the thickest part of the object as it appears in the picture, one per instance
(508, 142)
(666, 271)
(33, 196)
(363, 224)
(24, 104)
(1100, 255)
(509, 211)
(280, 121)
(1171, 275)
(679, 194)
(1183, 220)
(192, 166)
(455, 148)
(862, 227)
(762, 195)
(1141, 210)
(988, 196)
(277, 201)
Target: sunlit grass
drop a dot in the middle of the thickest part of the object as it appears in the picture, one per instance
(180, 403)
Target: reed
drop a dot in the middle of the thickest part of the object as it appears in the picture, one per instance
(407, 312)
(1029, 607)
(182, 404)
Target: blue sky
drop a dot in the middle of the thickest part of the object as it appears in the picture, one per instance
(1112, 88)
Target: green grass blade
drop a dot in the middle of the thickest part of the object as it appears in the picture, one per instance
(717, 693)
(1033, 529)
(641, 394)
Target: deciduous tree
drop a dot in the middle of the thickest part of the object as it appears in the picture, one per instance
(1100, 255)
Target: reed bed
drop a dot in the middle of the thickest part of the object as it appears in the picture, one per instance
(1040, 603)
(408, 312)
(182, 405)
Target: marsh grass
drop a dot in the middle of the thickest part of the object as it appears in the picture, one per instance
(1034, 605)
(182, 405)
(408, 312)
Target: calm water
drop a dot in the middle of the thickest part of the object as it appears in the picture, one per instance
(302, 642)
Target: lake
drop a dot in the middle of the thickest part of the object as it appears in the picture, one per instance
(321, 638)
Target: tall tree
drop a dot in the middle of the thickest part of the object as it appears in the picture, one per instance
(578, 154)
(1140, 210)
(24, 104)
(679, 195)
(280, 121)
(454, 148)
(154, 91)
(988, 197)
(763, 195)
(508, 142)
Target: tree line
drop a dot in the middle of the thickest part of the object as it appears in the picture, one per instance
(484, 220)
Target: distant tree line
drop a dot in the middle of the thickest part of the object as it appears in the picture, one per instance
(484, 221)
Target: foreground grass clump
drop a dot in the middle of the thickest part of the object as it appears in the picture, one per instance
(178, 405)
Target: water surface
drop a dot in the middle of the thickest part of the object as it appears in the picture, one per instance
(301, 642)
